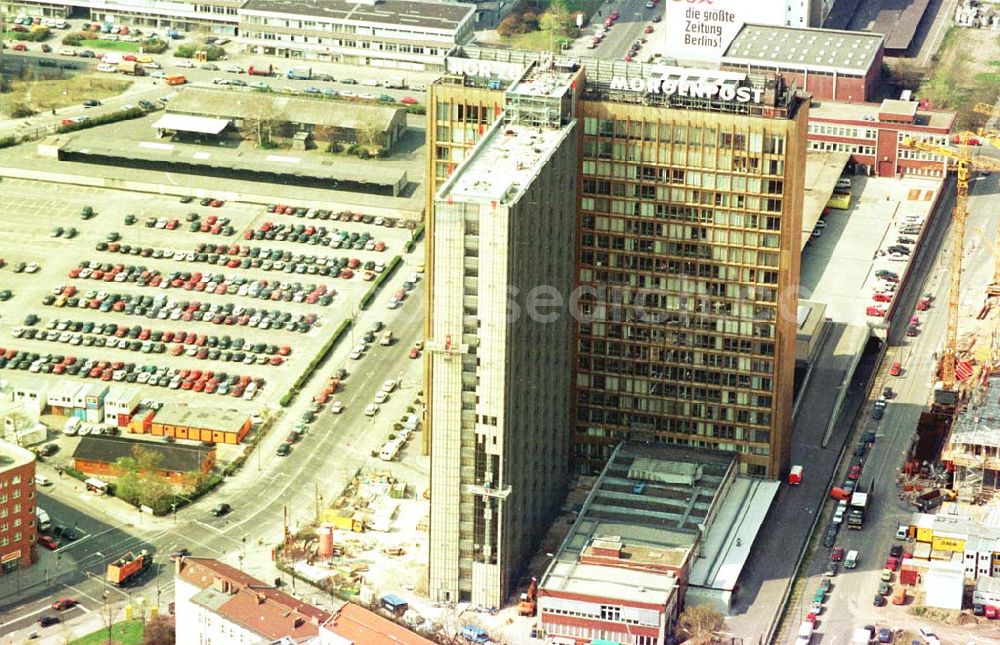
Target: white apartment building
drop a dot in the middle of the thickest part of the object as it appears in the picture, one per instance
(503, 236)
(215, 16)
(401, 34)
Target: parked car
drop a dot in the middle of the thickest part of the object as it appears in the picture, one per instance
(220, 509)
(64, 603)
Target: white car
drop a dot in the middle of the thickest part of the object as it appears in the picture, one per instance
(371, 410)
(389, 386)
(413, 278)
(107, 67)
(31, 268)
(158, 74)
(337, 407)
(185, 63)
(381, 397)
(356, 355)
(42, 480)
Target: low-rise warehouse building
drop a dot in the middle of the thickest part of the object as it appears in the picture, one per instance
(200, 424)
(830, 65)
(399, 34)
(663, 525)
(327, 120)
(98, 456)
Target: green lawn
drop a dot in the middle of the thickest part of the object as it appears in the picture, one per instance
(111, 44)
(123, 633)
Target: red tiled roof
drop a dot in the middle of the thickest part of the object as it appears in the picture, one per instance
(365, 627)
(253, 604)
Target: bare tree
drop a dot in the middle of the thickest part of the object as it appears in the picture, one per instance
(160, 630)
(698, 622)
(369, 135)
(263, 122)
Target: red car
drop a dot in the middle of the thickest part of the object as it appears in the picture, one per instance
(896, 369)
(880, 296)
(837, 554)
(414, 352)
(63, 603)
(855, 472)
(217, 203)
(409, 100)
(48, 542)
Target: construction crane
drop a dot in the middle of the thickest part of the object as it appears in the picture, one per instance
(963, 161)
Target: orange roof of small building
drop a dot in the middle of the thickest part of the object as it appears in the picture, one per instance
(250, 603)
(365, 627)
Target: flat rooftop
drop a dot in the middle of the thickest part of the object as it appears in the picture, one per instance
(823, 169)
(650, 501)
(979, 424)
(503, 164)
(543, 82)
(897, 20)
(408, 13)
(205, 418)
(838, 268)
(12, 456)
(862, 112)
(850, 52)
(229, 103)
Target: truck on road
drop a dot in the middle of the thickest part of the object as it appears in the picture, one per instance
(861, 501)
(395, 83)
(300, 74)
(260, 70)
(127, 568)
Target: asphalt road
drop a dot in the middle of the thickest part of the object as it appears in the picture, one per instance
(849, 603)
(634, 17)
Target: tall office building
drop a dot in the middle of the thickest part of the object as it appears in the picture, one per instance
(688, 221)
(499, 360)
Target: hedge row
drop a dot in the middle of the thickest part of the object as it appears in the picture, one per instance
(6, 142)
(36, 36)
(105, 119)
(317, 361)
(414, 238)
(366, 301)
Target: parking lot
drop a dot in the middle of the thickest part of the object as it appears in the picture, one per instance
(142, 299)
(856, 262)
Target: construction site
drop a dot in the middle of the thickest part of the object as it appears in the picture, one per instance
(957, 441)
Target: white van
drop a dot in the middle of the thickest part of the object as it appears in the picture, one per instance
(851, 560)
(250, 391)
(844, 182)
(43, 519)
(389, 450)
(411, 422)
(805, 633)
(72, 426)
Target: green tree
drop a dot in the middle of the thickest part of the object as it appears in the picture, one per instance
(127, 486)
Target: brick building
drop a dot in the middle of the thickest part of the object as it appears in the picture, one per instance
(96, 455)
(18, 532)
(200, 424)
(873, 134)
(830, 65)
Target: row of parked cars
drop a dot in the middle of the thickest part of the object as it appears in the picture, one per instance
(900, 249)
(308, 234)
(147, 341)
(272, 259)
(207, 381)
(217, 283)
(162, 308)
(343, 216)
